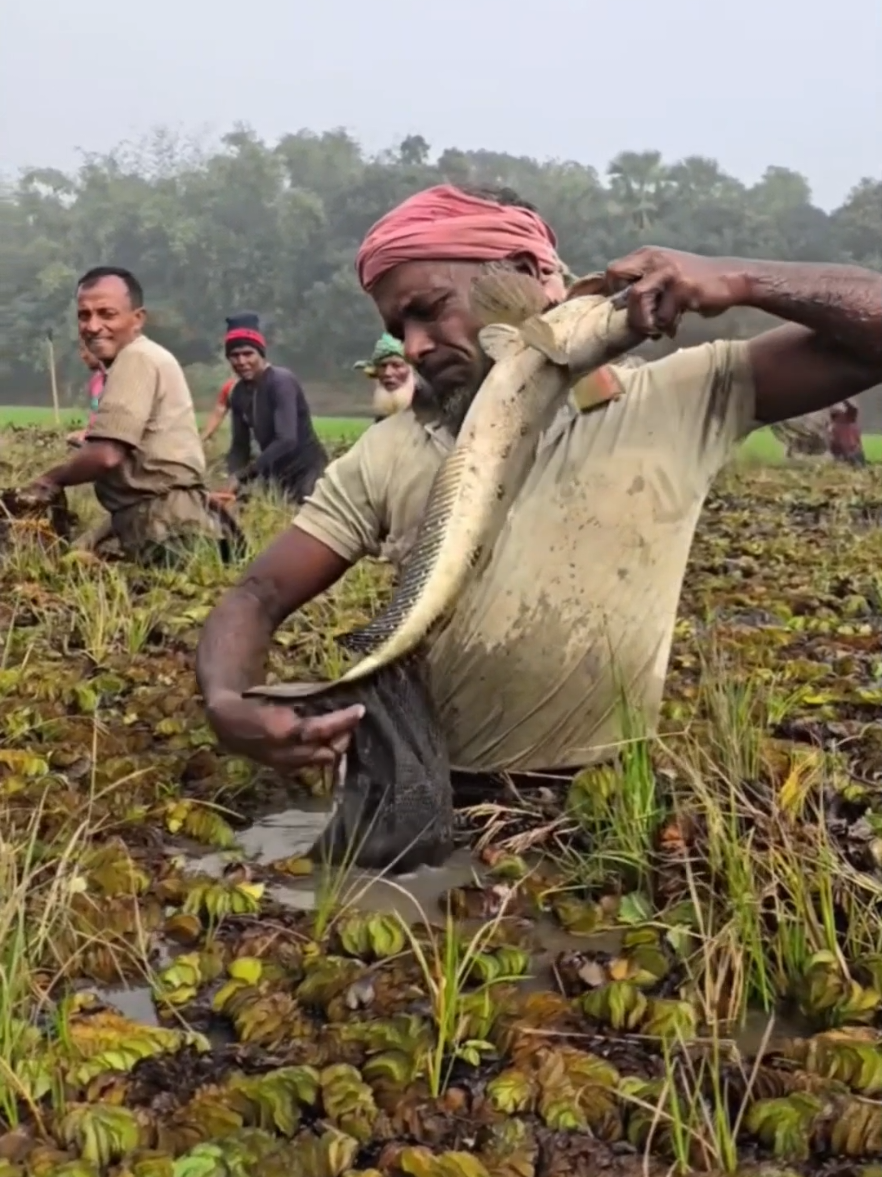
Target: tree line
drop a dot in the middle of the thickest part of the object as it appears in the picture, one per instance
(273, 227)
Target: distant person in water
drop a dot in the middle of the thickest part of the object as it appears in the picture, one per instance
(395, 380)
(845, 435)
(96, 387)
(220, 410)
(141, 450)
(268, 404)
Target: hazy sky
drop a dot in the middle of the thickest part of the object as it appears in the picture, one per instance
(752, 82)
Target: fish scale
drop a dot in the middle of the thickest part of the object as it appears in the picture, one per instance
(442, 502)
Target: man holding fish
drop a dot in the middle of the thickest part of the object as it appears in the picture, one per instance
(569, 624)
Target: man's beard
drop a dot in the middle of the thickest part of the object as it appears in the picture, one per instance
(452, 405)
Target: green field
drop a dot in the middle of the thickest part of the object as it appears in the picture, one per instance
(761, 447)
(330, 428)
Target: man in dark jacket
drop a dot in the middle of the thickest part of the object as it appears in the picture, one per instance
(269, 405)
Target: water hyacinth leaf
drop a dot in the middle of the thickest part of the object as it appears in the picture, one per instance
(247, 969)
(101, 1133)
(783, 1125)
(635, 908)
(512, 1091)
(371, 937)
(199, 822)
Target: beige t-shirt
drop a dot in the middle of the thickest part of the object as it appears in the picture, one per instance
(574, 615)
(147, 405)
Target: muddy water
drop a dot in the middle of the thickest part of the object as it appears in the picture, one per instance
(414, 897)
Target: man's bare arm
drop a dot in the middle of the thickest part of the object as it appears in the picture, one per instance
(236, 638)
(830, 349)
(832, 346)
(95, 460)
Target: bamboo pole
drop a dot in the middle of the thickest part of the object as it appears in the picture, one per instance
(53, 379)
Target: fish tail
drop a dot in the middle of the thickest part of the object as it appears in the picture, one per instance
(503, 295)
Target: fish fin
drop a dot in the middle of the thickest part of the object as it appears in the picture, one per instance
(537, 333)
(280, 692)
(596, 389)
(507, 296)
(499, 340)
(591, 284)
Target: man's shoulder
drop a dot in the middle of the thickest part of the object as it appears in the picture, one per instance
(687, 367)
(397, 443)
(283, 378)
(145, 348)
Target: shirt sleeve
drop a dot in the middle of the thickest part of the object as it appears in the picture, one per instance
(707, 395)
(345, 511)
(127, 400)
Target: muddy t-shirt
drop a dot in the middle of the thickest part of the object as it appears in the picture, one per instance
(146, 405)
(569, 627)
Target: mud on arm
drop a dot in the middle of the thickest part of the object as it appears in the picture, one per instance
(831, 347)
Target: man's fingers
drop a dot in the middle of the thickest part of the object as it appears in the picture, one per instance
(303, 756)
(643, 302)
(324, 729)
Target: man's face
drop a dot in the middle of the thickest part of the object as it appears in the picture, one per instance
(426, 305)
(247, 362)
(107, 320)
(393, 373)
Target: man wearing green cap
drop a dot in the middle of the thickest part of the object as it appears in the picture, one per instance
(395, 378)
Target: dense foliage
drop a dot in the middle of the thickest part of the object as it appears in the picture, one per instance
(274, 227)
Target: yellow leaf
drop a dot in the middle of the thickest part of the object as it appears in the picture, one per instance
(247, 969)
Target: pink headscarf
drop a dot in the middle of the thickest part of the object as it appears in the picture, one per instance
(445, 224)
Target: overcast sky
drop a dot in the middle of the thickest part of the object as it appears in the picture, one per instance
(751, 82)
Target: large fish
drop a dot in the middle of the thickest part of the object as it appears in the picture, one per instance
(540, 354)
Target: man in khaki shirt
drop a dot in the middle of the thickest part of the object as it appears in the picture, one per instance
(143, 452)
(573, 619)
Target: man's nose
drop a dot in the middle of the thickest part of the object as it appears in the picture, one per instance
(418, 343)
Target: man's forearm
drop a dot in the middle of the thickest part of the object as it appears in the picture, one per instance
(233, 647)
(93, 461)
(841, 304)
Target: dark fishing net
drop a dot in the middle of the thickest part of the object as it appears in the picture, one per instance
(395, 802)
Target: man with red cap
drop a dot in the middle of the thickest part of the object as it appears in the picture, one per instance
(269, 405)
(570, 626)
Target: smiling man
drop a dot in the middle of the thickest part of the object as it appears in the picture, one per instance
(269, 405)
(574, 615)
(142, 451)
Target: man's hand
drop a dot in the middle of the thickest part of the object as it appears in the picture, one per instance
(76, 439)
(42, 490)
(276, 736)
(665, 283)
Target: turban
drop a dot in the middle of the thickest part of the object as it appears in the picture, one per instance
(446, 224)
(387, 347)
